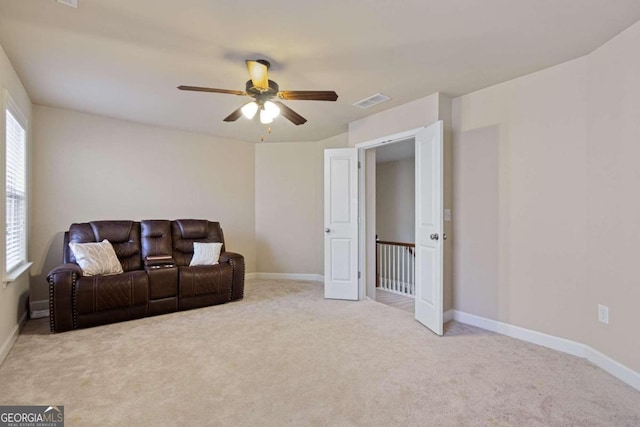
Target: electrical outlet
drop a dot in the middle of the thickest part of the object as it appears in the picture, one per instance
(447, 214)
(603, 313)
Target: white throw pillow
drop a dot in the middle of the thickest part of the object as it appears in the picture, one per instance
(96, 258)
(205, 253)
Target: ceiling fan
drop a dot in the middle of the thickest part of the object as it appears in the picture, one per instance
(263, 91)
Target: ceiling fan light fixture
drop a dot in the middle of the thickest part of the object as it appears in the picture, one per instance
(249, 109)
(272, 109)
(262, 90)
(265, 117)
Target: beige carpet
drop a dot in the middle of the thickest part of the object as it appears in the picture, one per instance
(286, 356)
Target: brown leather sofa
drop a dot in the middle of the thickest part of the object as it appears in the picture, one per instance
(157, 279)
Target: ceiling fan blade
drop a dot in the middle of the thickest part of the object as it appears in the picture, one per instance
(234, 116)
(258, 74)
(210, 89)
(291, 115)
(308, 95)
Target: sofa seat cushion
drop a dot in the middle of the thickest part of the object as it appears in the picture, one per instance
(103, 293)
(205, 279)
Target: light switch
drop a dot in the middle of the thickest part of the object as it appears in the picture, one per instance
(447, 214)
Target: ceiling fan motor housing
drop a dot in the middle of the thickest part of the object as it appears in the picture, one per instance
(262, 95)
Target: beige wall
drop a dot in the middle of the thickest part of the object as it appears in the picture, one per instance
(613, 204)
(411, 115)
(88, 167)
(476, 227)
(395, 200)
(289, 205)
(535, 148)
(546, 222)
(13, 297)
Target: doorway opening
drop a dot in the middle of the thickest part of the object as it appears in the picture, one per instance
(350, 243)
(393, 215)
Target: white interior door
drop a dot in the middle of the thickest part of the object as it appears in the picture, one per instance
(429, 227)
(341, 223)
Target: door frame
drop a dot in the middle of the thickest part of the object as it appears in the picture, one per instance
(362, 226)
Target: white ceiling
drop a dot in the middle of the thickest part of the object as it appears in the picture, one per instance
(124, 58)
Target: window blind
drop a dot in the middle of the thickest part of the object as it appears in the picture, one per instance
(15, 192)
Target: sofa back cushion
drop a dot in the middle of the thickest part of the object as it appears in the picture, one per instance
(124, 236)
(156, 237)
(184, 232)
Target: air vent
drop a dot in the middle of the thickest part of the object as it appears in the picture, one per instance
(369, 102)
(70, 3)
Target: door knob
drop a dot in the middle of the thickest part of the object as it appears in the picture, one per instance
(444, 236)
(326, 230)
(434, 236)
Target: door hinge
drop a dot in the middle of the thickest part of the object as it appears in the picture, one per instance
(358, 274)
(358, 164)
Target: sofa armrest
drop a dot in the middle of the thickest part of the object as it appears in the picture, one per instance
(62, 312)
(66, 268)
(159, 261)
(237, 263)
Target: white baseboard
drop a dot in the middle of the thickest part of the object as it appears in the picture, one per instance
(550, 341)
(285, 276)
(11, 339)
(613, 367)
(574, 348)
(39, 309)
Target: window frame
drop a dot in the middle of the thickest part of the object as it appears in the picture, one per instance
(9, 105)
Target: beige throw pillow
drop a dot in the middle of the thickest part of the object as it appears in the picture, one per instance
(96, 258)
(205, 253)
